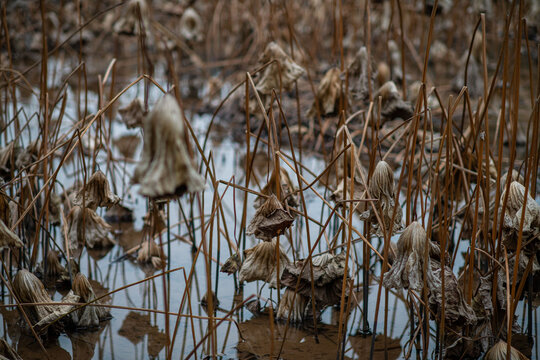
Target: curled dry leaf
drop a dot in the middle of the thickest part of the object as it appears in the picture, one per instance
(457, 312)
(29, 289)
(191, 26)
(328, 94)
(96, 193)
(499, 351)
(8, 238)
(515, 210)
(283, 72)
(133, 114)
(359, 79)
(293, 304)
(150, 253)
(86, 227)
(90, 315)
(406, 272)
(328, 271)
(287, 192)
(381, 187)
(260, 263)
(165, 168)
(393, 105)
(232, 264)
(270, 220)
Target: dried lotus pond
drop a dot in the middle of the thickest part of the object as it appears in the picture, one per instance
(270, 179)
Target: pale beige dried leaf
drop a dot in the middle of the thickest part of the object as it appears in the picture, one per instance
(282, 73)
(29, 289)
(165, 168)
(8, 238)
(328, 94)
(293, 304)
(260, 263)
(85, 226)
(407, 269)
(90, 315)
(499, 351)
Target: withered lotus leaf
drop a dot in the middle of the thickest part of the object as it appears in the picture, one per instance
(281, 73)
(407, 269)
(293, 304)
(90, 315)
(515, 210)
(8, 238)
(29, 289)
(85, 226)
(328, 271)
(96, 193)
(260, 263)
(133, 114)
(381, 187)
(499, 351)
(165, 169)
(393, 105)
(270, 220)
(232, 264)
(328, 93)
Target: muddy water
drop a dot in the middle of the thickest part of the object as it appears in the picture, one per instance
(139, 334)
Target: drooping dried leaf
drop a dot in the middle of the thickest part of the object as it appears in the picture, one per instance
(260, 263)
(133, 114)
(381, 187)
(270, 220)
(8, 238)
(328, 94)
(457, 313)
(358, 76)
(127, 144)
(91, 315)
(499, 351)
(96, 193)
(29, 289)
(282, 73)
(293, 304)
(54, 268)
(232, 264)
(407, 270)
(515, 209)
(85, 226)
(393, 105)
(328, 271)
(165, 168)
